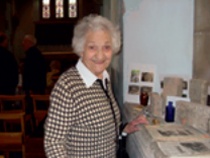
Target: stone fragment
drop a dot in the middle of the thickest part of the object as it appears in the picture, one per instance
(172, 86)
(198, 91)
(193, 114)
(156, 106)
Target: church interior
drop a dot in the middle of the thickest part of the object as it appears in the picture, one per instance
(164, 56)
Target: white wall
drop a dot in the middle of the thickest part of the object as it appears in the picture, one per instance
(158, 32)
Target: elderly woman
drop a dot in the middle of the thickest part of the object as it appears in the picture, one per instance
(84, 118)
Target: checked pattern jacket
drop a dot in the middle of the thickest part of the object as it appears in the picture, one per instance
(80, 122)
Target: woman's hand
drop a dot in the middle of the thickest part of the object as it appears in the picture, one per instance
(133, 125)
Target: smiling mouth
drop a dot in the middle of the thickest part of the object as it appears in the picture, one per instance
(99, 62)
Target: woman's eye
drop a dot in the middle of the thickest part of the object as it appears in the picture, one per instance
(91, 47)
(107, 48)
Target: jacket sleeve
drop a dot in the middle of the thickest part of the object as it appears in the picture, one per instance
(59, 120)
(121, 151)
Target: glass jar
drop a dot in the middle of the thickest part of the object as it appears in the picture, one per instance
(144, 97)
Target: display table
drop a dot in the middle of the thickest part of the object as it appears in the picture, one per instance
(164, 140)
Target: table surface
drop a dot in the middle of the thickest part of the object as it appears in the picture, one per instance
(164, 140)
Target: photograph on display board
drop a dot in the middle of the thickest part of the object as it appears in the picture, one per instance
(133, 90)
(135, 75)
(146, 89)
(147, 77)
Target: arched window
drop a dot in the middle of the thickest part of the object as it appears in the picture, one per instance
(72, 8)
(59, 9)
(45, 9)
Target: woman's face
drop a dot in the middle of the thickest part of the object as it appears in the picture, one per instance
(97, 53)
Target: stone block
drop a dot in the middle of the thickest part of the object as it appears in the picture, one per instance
(172, 86)
(193, 114)
(156, 107)
(198, 91)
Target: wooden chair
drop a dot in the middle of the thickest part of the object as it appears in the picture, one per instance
(15, 104)
(13, 141)
(40, 104)
(12, 102)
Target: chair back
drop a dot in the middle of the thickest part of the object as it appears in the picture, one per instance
(13, 102)
(13, 140)
(40, 104)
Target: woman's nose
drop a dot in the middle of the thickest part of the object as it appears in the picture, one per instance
(100, 53)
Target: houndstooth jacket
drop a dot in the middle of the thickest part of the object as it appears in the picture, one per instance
(80, 122)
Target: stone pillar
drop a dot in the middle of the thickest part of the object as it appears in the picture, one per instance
(201, 58)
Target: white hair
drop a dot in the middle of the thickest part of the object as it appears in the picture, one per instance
(93, 23)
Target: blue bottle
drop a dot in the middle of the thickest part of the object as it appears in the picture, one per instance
(170, 112)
